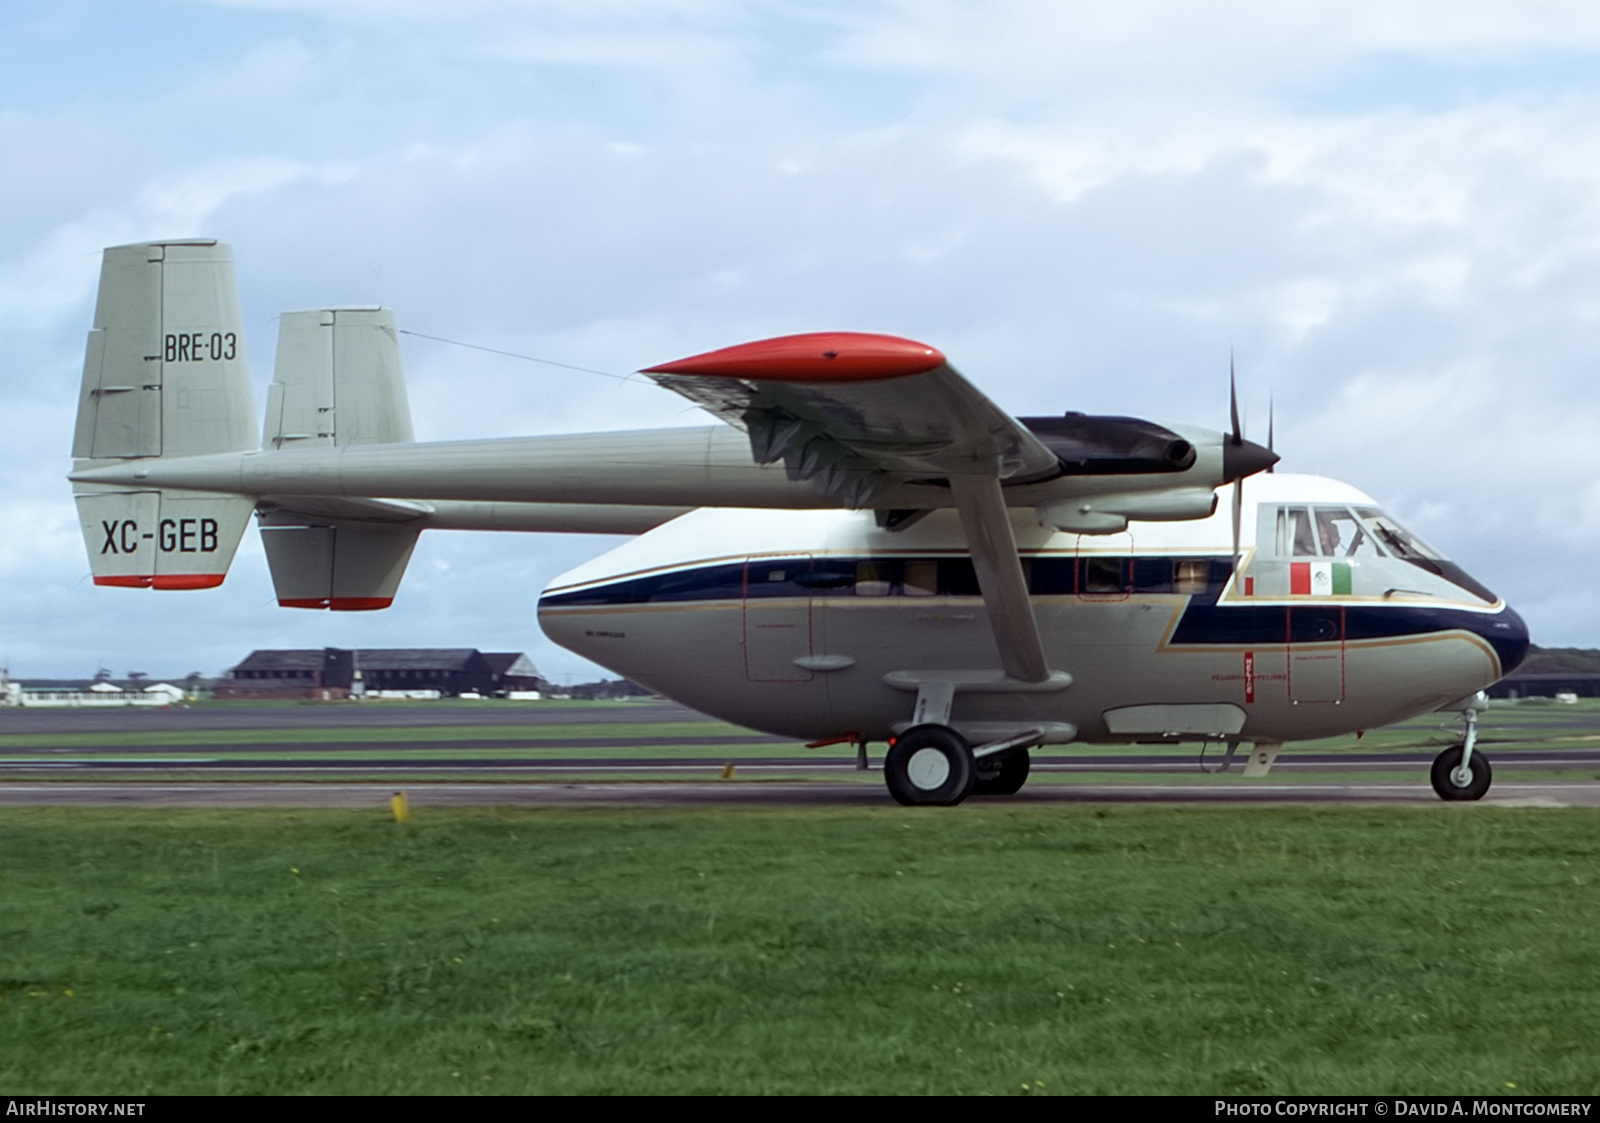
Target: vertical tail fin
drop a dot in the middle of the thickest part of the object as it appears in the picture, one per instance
(164, 375)
(337, 382)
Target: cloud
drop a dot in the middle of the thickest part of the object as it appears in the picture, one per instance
(1085, 207)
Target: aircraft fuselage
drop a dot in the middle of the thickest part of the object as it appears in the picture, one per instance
(817, 624)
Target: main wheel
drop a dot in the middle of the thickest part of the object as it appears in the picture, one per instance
(1448, 784)
(1002, 777)
(929, 764)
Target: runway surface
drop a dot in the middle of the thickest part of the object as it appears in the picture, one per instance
(733, 793)
(346, 755)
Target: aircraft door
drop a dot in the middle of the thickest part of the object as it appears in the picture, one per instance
(777, 618)
(1316, 653)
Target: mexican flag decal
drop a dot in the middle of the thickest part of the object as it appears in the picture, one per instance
(1319, 579)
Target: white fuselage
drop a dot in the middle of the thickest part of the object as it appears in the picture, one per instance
(808, 623)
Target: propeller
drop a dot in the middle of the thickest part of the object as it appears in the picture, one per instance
(1241, 458)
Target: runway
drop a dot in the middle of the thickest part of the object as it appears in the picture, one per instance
(462, 754)
(865, 792)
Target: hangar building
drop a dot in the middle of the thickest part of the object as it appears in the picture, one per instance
(334, 672)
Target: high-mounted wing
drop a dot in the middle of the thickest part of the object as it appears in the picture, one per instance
(858, 413)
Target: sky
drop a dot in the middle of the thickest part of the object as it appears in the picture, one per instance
(1386, 210)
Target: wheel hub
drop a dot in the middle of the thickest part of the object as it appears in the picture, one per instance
(927, 769)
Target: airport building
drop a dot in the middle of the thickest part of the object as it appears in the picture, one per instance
(88, 694)
(407, 672)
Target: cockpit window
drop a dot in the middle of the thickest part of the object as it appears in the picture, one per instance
(1341, 535)
(1397, 539)
(1401, 543)
(1295, 538)
(1331, 532)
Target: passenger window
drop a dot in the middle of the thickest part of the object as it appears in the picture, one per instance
(1191, 576)
(872, 579)
(920, 579)
(1102, 575)
(957, 578)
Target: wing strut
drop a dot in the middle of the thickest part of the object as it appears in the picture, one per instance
(987, 525)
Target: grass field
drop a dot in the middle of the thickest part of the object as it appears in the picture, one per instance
(990, 950)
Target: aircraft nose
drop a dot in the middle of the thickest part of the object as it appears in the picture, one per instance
(1245, 458)
(1507, 633)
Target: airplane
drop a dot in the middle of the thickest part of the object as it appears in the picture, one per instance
(864, 549)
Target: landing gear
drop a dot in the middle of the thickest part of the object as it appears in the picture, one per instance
(1458, 772)
(1452, 780)
(1002, 777)
(930, 765)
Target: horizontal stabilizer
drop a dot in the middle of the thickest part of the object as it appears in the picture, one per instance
(346, 567)
(161, 540)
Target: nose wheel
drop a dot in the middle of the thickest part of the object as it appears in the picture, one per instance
(1458, 772)
(1454, 778)
(929, 765)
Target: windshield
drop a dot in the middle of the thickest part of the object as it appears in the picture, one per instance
(1397, 539)
(1323, 530)
(1342, 535)
(1327, 532)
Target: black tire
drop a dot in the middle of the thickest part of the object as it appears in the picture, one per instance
(929, 765)
(1002, 777)
(1447, 762)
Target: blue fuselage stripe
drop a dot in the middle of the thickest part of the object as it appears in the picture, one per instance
(1204, 622)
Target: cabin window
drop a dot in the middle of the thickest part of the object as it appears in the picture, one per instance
(872, 579)
(920, 578)
(1102, 575)
(957, 578)
(1191, 576)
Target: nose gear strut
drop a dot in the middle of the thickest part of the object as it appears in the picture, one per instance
(1459, 773)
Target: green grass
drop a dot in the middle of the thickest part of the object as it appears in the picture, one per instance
(985, 949)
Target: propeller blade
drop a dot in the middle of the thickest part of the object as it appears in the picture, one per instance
(1238, 515)
(1233, 401)
(1270, 411)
